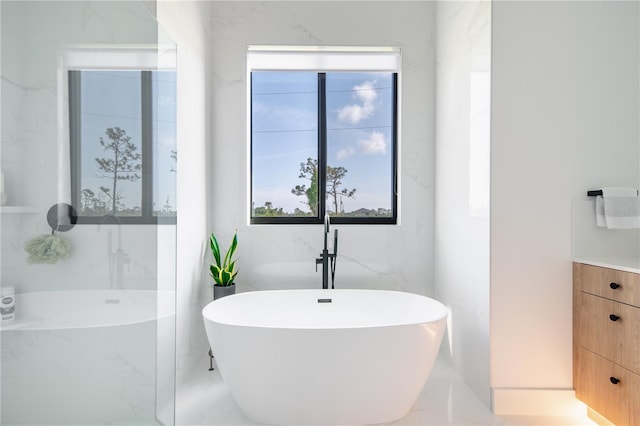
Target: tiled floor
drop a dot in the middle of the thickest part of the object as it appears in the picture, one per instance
(445, 400)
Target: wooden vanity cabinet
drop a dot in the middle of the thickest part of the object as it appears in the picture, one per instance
(606, 342)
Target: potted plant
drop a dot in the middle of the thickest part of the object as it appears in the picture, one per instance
(223, 271)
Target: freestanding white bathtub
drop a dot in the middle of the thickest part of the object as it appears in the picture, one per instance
(302, 357)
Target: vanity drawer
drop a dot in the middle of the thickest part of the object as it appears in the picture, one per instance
(607, 388)
(610, 283)
(611, 329)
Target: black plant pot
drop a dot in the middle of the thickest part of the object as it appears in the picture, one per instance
(222, 291)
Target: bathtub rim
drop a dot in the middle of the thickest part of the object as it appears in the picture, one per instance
(209, 313)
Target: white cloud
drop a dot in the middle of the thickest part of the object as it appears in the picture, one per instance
(366, 96)
(366, 92)
(355, 113)
(345, 153)
(374, 144)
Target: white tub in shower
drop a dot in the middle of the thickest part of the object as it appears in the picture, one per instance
(85, 357)
(325, 356)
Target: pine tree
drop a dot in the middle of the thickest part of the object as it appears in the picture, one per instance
(123, 165)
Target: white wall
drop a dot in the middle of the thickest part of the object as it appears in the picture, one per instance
(389, 257)
(463, 56)
(565, 108)
(188, 23)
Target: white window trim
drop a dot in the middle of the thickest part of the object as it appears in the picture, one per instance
(114, 57)
(324, 58)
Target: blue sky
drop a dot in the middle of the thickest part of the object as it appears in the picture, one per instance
(112, 99)
(284, 134)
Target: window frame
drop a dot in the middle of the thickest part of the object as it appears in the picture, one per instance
(268, 59)
(146, 150)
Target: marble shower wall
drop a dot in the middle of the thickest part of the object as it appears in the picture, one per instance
(270, 256)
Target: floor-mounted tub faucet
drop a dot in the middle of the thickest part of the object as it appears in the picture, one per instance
(326, 259)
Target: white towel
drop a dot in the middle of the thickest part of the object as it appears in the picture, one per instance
(600, 220)
(618, 208)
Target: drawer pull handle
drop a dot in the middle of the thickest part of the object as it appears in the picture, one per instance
(614, 285)
(613, 317)
(614, 380)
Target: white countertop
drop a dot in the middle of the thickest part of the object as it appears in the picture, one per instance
(627, 264)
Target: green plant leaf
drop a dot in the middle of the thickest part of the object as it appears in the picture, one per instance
(215, 249)
(231, 251)
(215, 273)
(225, 277)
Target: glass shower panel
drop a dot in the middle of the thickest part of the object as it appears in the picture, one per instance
(88, 120)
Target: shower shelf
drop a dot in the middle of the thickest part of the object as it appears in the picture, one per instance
(18, 209)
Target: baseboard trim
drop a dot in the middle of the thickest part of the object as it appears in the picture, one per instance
(535, 402)
(598, 418)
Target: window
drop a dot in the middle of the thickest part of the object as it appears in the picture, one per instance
(323, 131)
(123, 150)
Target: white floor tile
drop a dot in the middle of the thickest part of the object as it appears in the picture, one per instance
(204, 400)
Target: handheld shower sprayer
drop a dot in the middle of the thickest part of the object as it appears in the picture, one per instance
(334, 258)
(327, 259)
